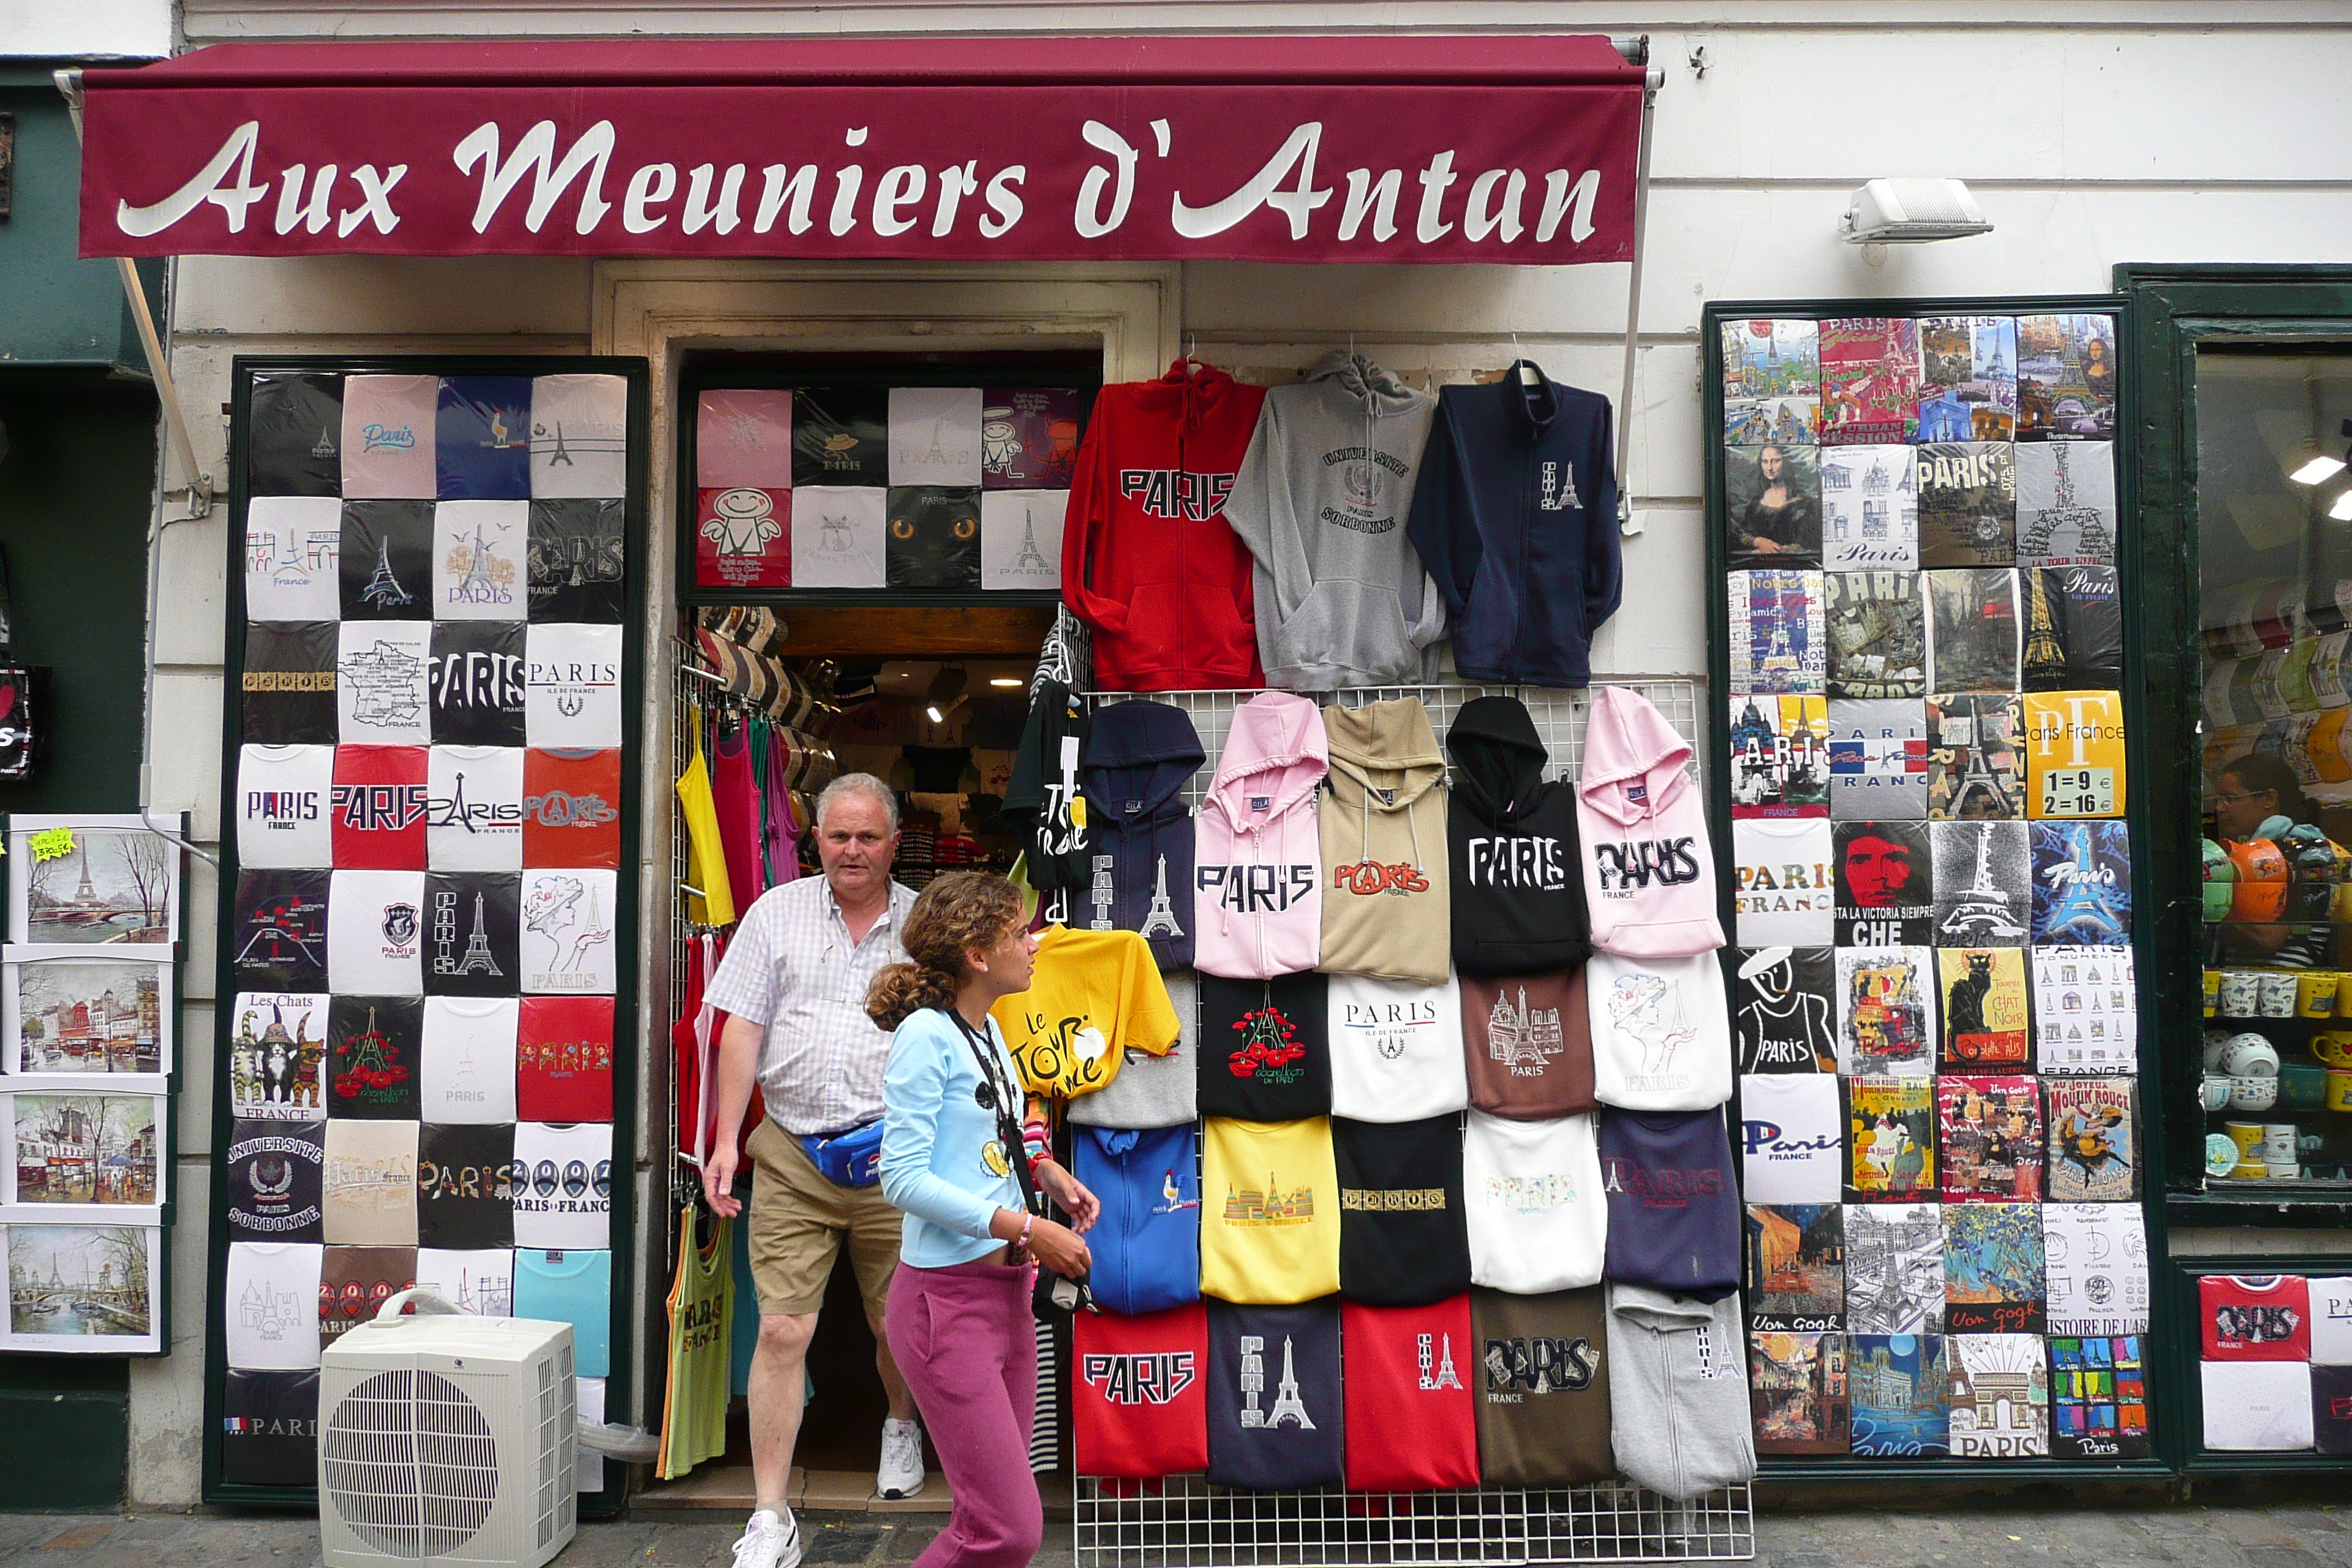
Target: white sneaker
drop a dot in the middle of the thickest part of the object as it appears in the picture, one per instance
(901, 1475)
(769, 1541)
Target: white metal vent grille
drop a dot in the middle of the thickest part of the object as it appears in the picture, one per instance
(410, 1464)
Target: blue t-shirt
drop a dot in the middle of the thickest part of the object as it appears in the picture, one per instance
(943, 1160)
(573, 1287)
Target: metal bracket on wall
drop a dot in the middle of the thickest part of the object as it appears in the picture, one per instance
(1651, 83)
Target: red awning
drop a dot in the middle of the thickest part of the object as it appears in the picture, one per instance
(1389, 148)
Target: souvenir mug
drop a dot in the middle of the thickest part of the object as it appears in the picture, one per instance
(2277, 1171)
(2247, 1136)
(2240, 993)
(2216, 1092)
(2253, 1094)
(2315, 992)
(2278, 1142)
(2216, 1042)
(2339, 1088)
(2277, 993)
(2333, 1046)
(2303, 1085)
(2251, 1056)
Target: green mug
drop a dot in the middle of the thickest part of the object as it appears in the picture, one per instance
(2303, 1085)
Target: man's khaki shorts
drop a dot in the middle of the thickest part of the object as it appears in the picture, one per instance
(797, 1221)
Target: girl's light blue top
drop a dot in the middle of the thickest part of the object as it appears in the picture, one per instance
(941, 1160)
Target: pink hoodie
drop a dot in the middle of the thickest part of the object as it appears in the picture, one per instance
(1649, 871)
(1257, 874)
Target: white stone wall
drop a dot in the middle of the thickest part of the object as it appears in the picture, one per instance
(2093, 134)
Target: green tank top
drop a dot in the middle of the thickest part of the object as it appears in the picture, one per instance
(701, 1335)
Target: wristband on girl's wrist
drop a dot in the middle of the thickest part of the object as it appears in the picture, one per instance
(1028, 1222)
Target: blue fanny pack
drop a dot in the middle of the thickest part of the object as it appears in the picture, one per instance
(851, 1159)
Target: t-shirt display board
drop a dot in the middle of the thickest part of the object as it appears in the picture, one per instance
(461, 542)
(1948, 1223)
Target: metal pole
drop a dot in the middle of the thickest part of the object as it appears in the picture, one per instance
(1651, 82)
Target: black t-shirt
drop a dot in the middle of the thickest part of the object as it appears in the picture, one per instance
(1265, 1049)
(478, 683)
(934, 540)
(288, 696)
(1276, 1422)
(269, 1428)
(280, 940)
(577, 554)
(473, 933)
(386, 568)
(1404, 1237)
(374, 1046)
(274, 1180)
(294, 434)
(841, 435)
(464, 1192)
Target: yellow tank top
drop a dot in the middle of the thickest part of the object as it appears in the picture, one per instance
(701, 1340)
(705, 861)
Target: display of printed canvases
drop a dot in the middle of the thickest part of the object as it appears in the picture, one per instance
(423, 837)
(1933, 996)
(869, 486)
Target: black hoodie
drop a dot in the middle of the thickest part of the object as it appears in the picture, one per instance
(1518, 885)
(1137, 758)
(1044, 783)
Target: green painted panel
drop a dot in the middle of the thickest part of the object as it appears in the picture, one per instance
(55, 308)
(62, 1451)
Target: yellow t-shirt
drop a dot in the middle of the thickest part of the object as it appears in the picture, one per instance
(1269, 1211)
(1095, 995)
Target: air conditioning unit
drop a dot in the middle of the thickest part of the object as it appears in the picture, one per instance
(1912, 212)
(445, 1438)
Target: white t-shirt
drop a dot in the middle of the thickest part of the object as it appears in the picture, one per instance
(571, 693)
(468, 1071)
(1396, 1049)
(1790, 1140)
(564, 1184)
(1783, 896)
(2095, 1268)
(579, 435)
(1021, 538)
(1537, 1219)
(478, 560)
(935, 436)
(375, 926)
(473, 813)
(567, 933)
(283, 799)
(272, 1305)
(292, 545)
(1661, 1032)
(2257, 1404)
(2331, 1322)
(480, 1282)
(383, 682)
(839, 536)
(371, 1183)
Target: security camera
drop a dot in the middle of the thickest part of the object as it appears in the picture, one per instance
(1912, 212)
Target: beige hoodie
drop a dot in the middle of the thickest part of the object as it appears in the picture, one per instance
(1382, 828)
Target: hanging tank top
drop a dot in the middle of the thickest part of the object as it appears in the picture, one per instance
(780, 827)
(735, 801)
(705, 861)
(702, 1330)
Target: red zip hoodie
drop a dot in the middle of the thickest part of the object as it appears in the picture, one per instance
(1148, 560)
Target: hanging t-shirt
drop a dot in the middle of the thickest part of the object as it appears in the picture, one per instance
(1543, 1388)
(2331, 1320)
(468, 1067)
(572, 808)
(279, 942)
(1147, 1241)
(572, 686)
(563, 1060)
(478, 560)
(1673, 1209)
(1403, 1235)
(2331, 1409)
(269, 1428)
(269, 1305)
(290, 546)
(1269, 1210)
(839, 534)
(275, 1171)
(1396, 1047)
(482, 436)
(1784, 893)
(934, 540)
(388, 443)
(277, 1055)
(1528, 1043)
(1264, 1053)
(2257, 1407)
(379, 808)
(376, 925)
(579, 435)
(464, 1192)
(572, 1287)
(474, 808)
(567, 933)
(841, 435)
(371, 1183)
(383, 689)
(1149, 1091)
(1661, 1033)
(576, 554)
(385, 565)
(1138, 1405)
(1791, 1144)
(934, 435)
(283, 795)
(564, 1184)
(1276, 1418)
(471, 939)
(293, 430)
(1785, 1011)
(287, 696)
(373, 1044)
(479, 1281)
(1532, 1195)
(1021, 538)
(743, 436)
(2254, 1317)
(478, 683)
(1413, 1422)
(1094, 996)
(356, 1282)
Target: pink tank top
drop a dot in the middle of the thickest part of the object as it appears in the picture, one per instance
(737, 800)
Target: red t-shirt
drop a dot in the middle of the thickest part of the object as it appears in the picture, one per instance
(380, 808)
(571, 809)
(563, 1060)
(1406, 1373)
(2255, 1317)
(1139, 1405)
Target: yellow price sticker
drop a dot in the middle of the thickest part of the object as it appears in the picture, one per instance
(50, 844)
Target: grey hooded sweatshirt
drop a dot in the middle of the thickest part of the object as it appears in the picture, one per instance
(1678, 1391)
(1320, 501)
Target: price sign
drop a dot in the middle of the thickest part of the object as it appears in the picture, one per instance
(2078, 791)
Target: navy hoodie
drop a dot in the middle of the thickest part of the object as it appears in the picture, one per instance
(1276, 1420)
(1147, 1242)
(1518, 883)
(1514, 517)
(1137, 758)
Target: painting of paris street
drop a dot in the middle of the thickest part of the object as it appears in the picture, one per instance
(104, 879)
(70, 1011)
(80, 1287)
(86, 1148)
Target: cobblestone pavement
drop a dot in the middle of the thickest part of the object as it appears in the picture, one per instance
(2308, 1531)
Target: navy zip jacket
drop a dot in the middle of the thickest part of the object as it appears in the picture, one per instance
(1515, 516)
(1137, 758)
(1147, 1243)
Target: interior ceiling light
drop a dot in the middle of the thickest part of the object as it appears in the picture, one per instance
(1005, 682)
(2342, 511)
(2306, 464)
